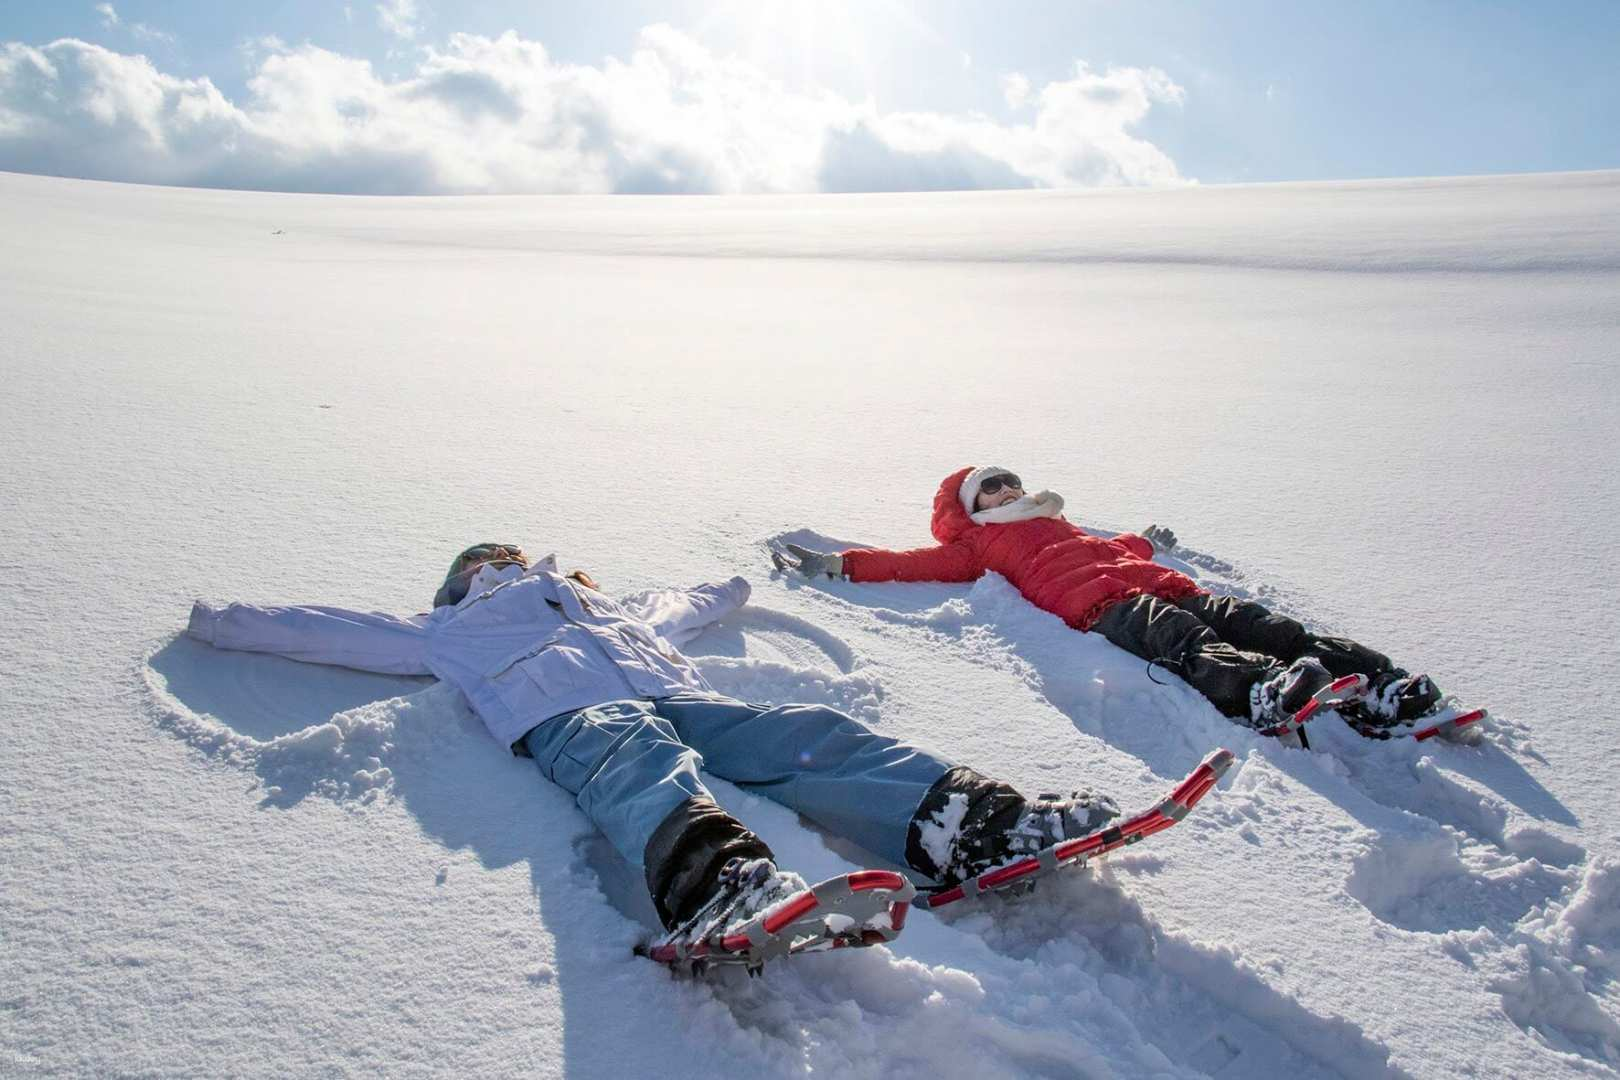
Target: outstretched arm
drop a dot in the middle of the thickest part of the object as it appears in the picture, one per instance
(679, 615)
(368, 641)
(809, 563)
(1154, 540)
(945, 562)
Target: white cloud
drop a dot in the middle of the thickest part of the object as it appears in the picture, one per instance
(110, 20)
(499, 115)
(147, 33)
(1015, 88)
(399, 17)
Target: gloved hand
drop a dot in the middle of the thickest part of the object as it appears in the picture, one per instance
(807, 562)
(1162, 539)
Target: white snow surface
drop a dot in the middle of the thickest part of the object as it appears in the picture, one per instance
(1388, 408)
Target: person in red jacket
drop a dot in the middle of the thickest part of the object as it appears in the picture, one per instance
(1254, 665)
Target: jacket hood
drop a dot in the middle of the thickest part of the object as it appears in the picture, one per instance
(950, 520)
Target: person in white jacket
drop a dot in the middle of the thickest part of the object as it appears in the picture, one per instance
(598, 694)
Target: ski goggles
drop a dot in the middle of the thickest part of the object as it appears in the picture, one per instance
(457, 581)
(996, 483)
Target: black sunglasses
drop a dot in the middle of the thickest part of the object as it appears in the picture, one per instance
(996, 483)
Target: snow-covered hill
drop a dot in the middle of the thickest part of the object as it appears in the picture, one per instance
(1387, 408)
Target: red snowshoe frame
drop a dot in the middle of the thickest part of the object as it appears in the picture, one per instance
(1450, 722)
(1448, 727)
(869, 906)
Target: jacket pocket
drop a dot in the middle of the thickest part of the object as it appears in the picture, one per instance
(508, 662)
(558, 668)
(553, 663)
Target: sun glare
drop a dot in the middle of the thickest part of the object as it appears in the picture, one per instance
(825, 43)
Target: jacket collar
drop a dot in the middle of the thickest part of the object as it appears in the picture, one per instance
(1044, 504)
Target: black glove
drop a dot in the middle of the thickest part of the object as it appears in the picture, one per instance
(809, 563)
(1162, 539)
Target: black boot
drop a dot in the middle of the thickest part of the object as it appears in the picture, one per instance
(968, 824)
(742, 889)
(686, 854)
(1392, 698)
(1277, 697)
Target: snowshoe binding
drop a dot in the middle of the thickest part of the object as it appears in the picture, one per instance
(760, 913)
(1397, 705)
(1281, 705)
(1041, 822)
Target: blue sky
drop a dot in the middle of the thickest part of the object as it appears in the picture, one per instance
(763, 95)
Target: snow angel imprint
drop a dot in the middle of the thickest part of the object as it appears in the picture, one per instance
(596, 691)
(1257, 667)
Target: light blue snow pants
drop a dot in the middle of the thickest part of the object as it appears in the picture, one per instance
(630, 763)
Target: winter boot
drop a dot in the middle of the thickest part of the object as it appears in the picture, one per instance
(1049, 819)
(745, 888)
(1275, 698)
(968, 824)
(1392, 698)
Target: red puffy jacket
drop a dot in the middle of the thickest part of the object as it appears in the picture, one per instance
(1057, 566)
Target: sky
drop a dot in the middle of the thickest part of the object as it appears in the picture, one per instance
(740, 96)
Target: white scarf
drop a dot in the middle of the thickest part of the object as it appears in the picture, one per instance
(1039, 505)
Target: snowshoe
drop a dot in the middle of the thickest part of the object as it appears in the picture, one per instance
(1021, 873)
(760, 913)
(1281, 705)
(1450, 720)
(1398, 705)
(1394, 697)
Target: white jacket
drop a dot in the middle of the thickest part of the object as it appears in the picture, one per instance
(523, 646)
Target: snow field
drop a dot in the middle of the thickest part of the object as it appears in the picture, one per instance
(218, 864)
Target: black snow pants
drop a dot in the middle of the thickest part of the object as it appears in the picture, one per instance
(1221, 645)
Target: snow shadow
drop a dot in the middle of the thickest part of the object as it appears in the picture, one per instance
(264, 696)
(1470, 787)
(1558, 972)
(1449, 784)
(1102, 690)
(1201, 1005)
(762, 634)
(1420, 882)
(1537, 929)
(1490, 765)
(1415, 869)
(1404, 773)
